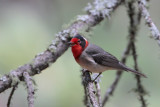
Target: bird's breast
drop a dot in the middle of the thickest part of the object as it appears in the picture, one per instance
(88, 63)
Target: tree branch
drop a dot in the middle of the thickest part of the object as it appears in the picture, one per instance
(113, 86)
(140, 89)
(60, 44)
(154, 31)
(133, 29)
(86, 99)
(30, 88)
(89, 87)
(98, 93)
(133, 33)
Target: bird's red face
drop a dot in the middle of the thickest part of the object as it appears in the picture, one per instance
(78, 44)
(74, 42)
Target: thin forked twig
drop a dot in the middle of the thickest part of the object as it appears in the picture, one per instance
(140, 88)
(11, 94)
(111, 89)
(132, 32)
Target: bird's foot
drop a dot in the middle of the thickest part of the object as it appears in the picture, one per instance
(96, 77)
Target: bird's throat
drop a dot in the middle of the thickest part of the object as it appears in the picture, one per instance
(76, 50)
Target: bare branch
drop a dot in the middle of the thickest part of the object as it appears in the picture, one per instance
(96, 78)
(86, 99)
(91, 94)
(111, 89)
(98, 93)
(30, 89)
(85, 80)
(132, 33)
(11, 94)
(60, 44)
(154, 31)
(140, 89)
(89, 87)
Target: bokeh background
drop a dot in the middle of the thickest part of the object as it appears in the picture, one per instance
(27, 27)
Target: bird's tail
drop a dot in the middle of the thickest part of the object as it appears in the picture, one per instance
(132, 70)
(136, 72)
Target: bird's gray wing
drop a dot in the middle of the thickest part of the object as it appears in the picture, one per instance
(112, 62)
(103, 58)
(106, 59)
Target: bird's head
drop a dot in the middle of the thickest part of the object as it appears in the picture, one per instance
(78, 44)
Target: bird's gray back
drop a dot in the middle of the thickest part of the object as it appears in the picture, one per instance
(102, 57)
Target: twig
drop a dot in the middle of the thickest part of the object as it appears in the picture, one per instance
(154, 31)
(60, 45)
(11, 94)
(89, 87)
(91, 94)
(98, 93)
(140, 89)
(111, 89)
(30, 89)
(132, 32)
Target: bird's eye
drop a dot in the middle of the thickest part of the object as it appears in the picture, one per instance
(79, 41)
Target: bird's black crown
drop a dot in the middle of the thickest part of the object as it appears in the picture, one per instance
(83, 42)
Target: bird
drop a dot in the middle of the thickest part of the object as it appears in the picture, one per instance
(94, 58)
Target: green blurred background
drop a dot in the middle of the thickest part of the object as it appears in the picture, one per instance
(27, 27)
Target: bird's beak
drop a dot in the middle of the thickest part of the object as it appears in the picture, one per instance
(71, 44)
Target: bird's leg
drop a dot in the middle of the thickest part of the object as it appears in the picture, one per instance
(97, 77)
